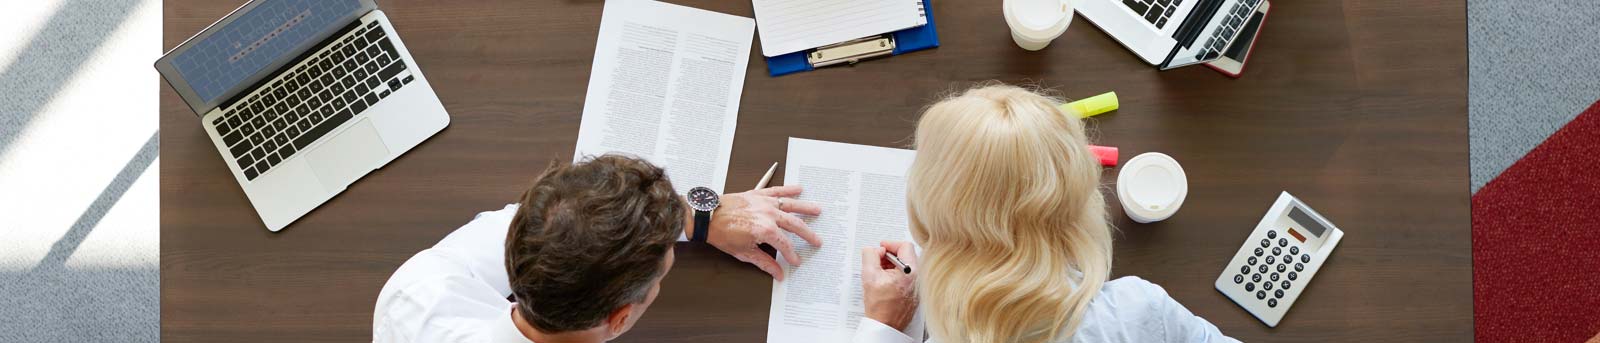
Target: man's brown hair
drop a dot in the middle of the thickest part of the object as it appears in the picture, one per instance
(589, 238)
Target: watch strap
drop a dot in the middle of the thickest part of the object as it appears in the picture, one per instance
(702, 226)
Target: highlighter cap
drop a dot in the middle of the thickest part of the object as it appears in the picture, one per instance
(1106, 154)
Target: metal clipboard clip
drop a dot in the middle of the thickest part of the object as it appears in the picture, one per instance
(851, 51)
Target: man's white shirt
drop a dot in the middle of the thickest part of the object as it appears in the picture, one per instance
(455, 291)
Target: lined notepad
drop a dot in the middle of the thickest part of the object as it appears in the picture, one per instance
(787, 26)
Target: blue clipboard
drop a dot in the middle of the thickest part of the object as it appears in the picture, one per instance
(913, 39)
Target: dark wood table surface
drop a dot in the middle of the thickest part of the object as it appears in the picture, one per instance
(1358, 107)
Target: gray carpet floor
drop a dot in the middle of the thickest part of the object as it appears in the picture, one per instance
(1534, 65)
(78, 258)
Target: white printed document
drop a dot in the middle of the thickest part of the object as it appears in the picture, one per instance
(862, 192)
(794, 25)
(665, 87)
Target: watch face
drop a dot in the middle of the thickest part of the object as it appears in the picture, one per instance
(703, 199)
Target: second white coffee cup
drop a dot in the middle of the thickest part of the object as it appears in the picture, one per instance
(1151, 187)
(1034, 23)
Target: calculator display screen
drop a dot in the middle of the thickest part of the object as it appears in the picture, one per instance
(1306, 222)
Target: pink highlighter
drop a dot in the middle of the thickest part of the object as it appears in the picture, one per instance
(1107, 154)
(1090, 107)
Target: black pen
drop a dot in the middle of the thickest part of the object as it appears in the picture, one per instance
(897, 264)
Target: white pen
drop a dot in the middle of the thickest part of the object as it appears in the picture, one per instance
(768, 177)
(897, 264)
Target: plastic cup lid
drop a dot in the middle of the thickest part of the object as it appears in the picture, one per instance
(1037, 18)
(1152, 186)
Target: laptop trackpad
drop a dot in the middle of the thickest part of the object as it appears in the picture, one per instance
(348, 156)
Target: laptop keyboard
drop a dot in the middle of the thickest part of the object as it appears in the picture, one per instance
(1231, 22)
(1155, 11)
(306, 102)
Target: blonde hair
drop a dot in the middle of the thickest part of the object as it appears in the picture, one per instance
(1004, 201)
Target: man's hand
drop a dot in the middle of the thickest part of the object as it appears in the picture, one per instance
(889, 293)
(746, 220)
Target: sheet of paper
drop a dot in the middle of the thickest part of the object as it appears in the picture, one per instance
(861, 190)
(665, 87)
(794, 25)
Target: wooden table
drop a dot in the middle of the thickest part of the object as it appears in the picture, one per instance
(1357, 107)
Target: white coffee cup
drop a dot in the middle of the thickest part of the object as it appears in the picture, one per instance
(1151, 187)
(1034, 23)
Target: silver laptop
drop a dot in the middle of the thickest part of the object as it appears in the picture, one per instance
(1171, 33)
(302, 98)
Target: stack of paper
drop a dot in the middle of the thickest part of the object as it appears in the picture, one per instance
(795, 25)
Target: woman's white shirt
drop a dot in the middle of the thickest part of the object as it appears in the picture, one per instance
(1128, 309)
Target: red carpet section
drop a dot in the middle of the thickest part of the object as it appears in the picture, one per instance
(1536, 242)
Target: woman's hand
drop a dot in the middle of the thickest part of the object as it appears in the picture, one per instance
(746, 220)
(889, 293)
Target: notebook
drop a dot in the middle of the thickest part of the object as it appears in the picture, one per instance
(787, 26)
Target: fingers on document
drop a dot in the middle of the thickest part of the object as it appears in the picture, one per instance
(785, 191)
(780, 241)
(761, 260)
(871, 261)
(799, 206)
(903, 250)
(790, 222)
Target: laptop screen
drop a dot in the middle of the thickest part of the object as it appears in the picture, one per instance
(253, 40)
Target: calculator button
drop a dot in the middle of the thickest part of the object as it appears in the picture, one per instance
(1249, 287)
(1266, 286)
(1305, 258)
(1265, 243)
(1299, 267)
(1277, 250)
(1294, 250)
(1281, 268)
(1288, 258)
(1274, 276)
(1269, 259)
(1285, 283)
(1278, 294)
(1244, 269)
(1272, 234)
(1272, 302)
(1252, 260)
(1259, 251)
(1293, 275)
(1255, 277)
(1283, 242)
(1262, 268)
(1238, 279)
(1263, 295)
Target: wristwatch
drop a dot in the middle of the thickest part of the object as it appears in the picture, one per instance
(703, 201)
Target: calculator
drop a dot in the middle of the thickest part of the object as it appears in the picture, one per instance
(1278, 260)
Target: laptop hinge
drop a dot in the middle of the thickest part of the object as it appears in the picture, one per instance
(1170, 55)
(1190, 29)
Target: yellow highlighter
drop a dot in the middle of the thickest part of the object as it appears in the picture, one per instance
(1093, 105)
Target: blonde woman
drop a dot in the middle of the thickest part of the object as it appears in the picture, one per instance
(1004, 200)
